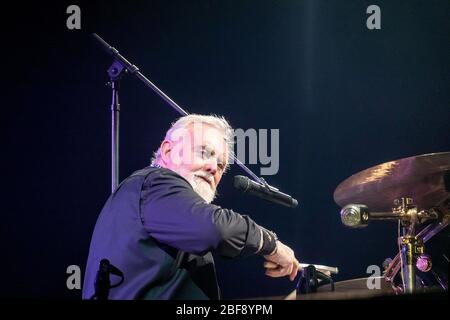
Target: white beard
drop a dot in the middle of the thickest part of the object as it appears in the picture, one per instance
(203, 189)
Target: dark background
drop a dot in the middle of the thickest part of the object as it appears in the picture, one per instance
(345, 98)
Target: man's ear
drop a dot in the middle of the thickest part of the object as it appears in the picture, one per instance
(166, 148)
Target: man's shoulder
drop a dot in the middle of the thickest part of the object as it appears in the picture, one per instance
(155, 173)
(151, 178)
(144, 171)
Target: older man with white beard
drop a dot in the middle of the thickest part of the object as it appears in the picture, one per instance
(159, 227)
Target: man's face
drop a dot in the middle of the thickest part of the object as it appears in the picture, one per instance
(199, 154)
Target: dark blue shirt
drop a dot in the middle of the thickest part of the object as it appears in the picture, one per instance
(152, 217)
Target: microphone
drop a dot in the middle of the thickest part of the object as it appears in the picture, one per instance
(264, 191)
(103, 282)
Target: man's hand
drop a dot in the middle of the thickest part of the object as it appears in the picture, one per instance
(282, 262)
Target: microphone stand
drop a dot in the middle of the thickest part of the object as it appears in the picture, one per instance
(120, 65)
(115, 73)
(309, 280)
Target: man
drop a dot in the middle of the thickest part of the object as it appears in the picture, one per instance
(159, 227)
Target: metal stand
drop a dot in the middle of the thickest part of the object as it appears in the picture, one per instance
(411, 246)
(309, 280)
(115, 72)
(121, 64)
(411, 249)
(443, 214)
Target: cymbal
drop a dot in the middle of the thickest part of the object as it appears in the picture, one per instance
(422, 178)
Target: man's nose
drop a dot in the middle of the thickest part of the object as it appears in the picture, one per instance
(211, 166)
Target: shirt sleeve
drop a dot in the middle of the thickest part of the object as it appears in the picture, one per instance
(174, 214)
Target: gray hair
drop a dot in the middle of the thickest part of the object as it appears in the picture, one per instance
(218, 122)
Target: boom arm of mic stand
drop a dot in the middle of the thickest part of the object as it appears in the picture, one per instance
(135, 70)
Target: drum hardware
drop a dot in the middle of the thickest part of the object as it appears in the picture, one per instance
(443, 214)
(419, 189)
(424, 263)
(358, 215)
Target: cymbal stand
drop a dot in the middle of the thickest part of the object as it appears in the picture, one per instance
(411, 246)
(442, 213)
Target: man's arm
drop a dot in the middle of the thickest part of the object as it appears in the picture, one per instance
(174, 214)
(282, 262)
